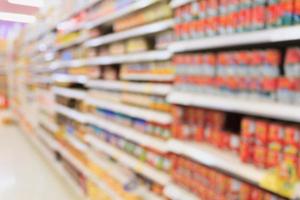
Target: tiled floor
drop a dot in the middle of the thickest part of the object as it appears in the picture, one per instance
(24, 174)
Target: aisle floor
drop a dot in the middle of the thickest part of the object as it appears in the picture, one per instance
(24, 174)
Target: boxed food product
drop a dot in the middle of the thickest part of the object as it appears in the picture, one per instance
(137, 45)
(117, 48)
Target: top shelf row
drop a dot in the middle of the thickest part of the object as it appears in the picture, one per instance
(133, 7)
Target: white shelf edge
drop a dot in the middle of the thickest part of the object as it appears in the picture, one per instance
(217, 158)
(156, 55)
(66, 64)
(130, 134)
(129, 161)
(113, 169)
(147, 88)
(70, 93)
(176, 192)
(262, 36)
(142, 113)
(139, 31)
(71, 113)
(234, 104)
(138, 5)
(178, 3)
(148, 77)
(83, 169)
(48, 123)
(64, 18)
(76, 143)
(67, 78)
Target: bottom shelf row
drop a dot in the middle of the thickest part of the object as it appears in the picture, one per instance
(112, 173)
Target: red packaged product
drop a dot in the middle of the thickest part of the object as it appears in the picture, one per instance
(298, 166)
(262, 128)
(193, 28)
(234, 189)
(232, 22)
(212, 7)
(286, 83)
(234, 143)
(291, 136)
(276, 133)
(248, 128)
(222, 24)
(246, 152)
(275, 155)
(202, 9)
(244, 20)
(211, 26)
(178, 31)
(225, 140)
(269, 84)
(257, 194)
(201, 29)
(199, 134)
(185, 31)
(291, 154)
(217, 138)
(260, 155)
(223, 182)
(246, 191)
(296, 13)
(258, 17)
(273, 16)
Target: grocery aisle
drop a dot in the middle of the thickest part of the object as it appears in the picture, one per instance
(24, 174)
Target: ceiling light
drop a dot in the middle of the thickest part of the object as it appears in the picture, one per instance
(32, 3)
(16, 17)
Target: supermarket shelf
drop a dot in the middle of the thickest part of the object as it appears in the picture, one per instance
(68, 63)
(217, 158)
(175, 192)
(51, 27)
(138, 5)
(131, 162)
(47, 155)
(66, 78)
(47, 139)
(231, 104)
(56, 146)
(130, 134)
(72, 43)
(42, 79)
(84, 170)
(146, 88)
(142, 113)
(70, 93)
(115, 171)
(156, 55)
(148, 77)
(142, 30)
(71, 113)
(255, 37)
(76, 143)
(48, 123)
(178, 3)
